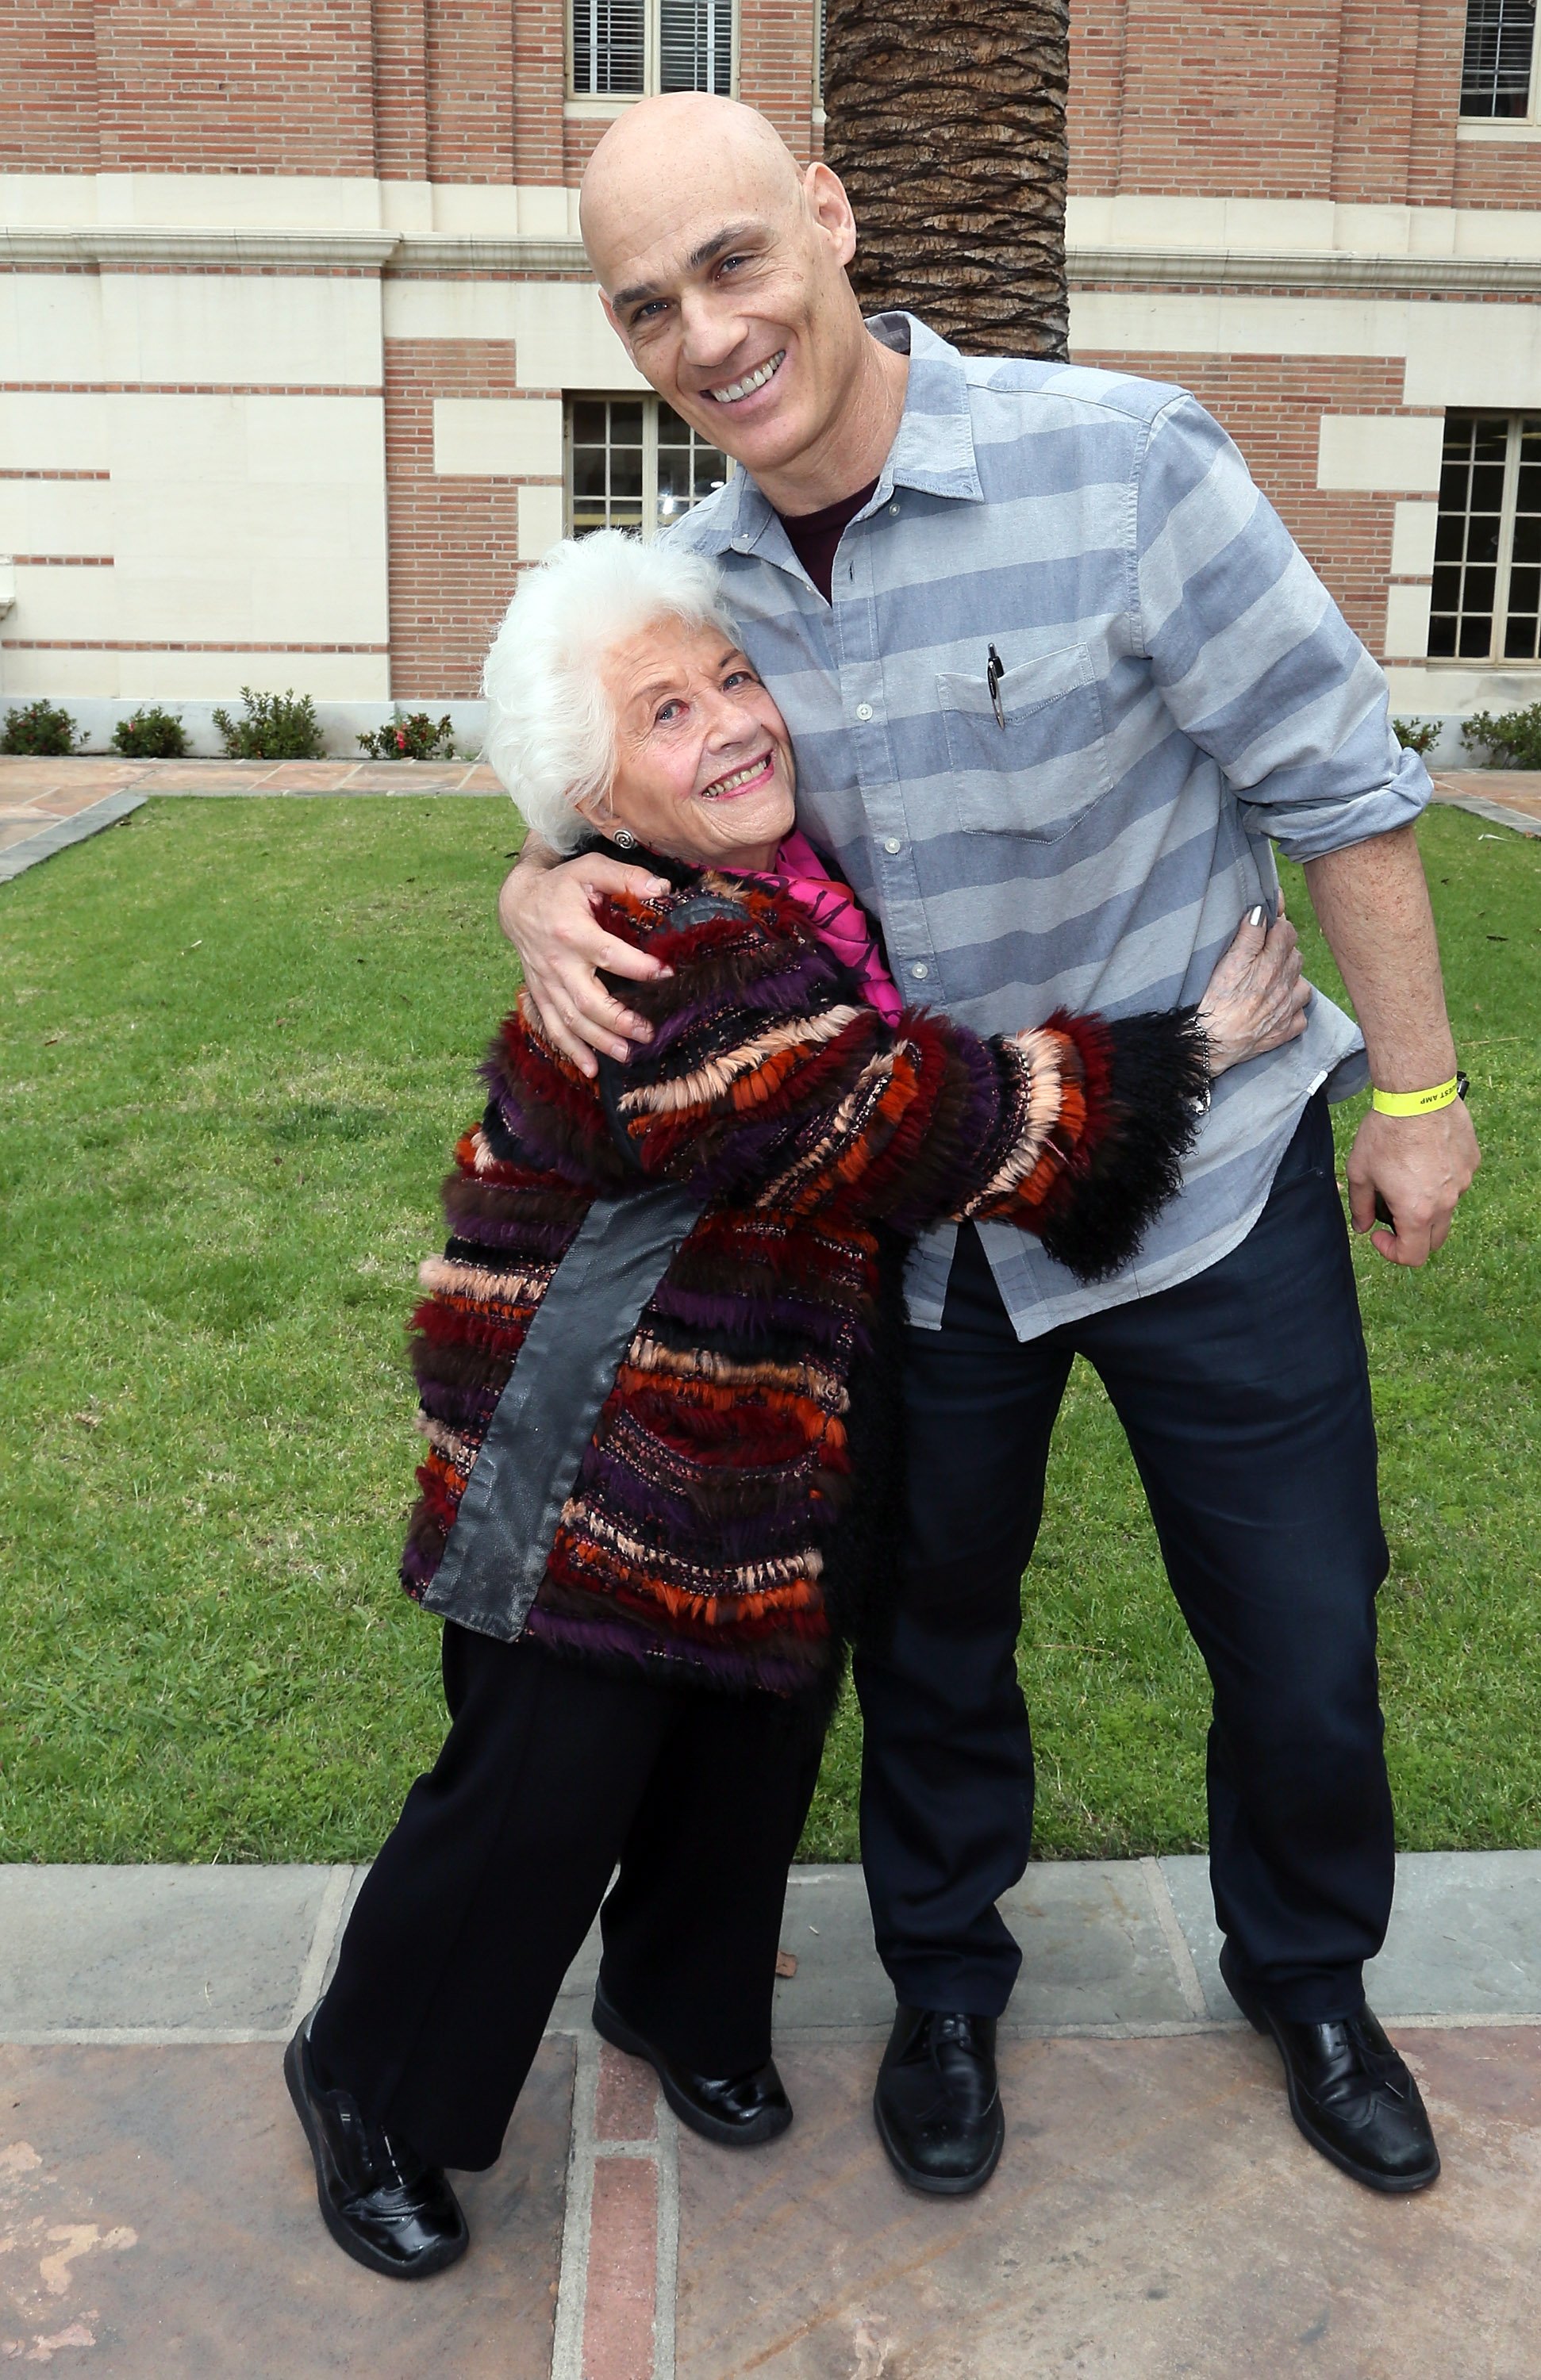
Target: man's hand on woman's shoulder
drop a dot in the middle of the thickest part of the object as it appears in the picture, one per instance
(547, 910)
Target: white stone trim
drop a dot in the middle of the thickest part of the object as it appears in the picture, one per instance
(1379, 451)
(41, 247)
(1447, 689)
(542, 521)
(497, 437)
(288, 202)
(1496, 127)
(467, 252)
(1407, 610)
(1226, 323)
(1314, 227)
(1303, 269)
(1487, 357)
(194, 248)
(1413, 526)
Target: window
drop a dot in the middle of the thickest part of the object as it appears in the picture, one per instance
(625, 48)
(1486, 599)
(1496, 65)
(632, 463)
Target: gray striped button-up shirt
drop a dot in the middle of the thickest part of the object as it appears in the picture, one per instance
(1180, 692)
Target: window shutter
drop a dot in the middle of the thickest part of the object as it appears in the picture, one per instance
(607, 47)
(696, 45)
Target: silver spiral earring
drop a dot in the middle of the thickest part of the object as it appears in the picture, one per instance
(623, 839)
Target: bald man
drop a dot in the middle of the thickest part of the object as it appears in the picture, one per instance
(1058, 680)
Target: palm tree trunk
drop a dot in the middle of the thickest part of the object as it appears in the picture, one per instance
(946, 122)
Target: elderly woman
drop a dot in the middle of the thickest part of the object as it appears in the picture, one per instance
(656, 1363)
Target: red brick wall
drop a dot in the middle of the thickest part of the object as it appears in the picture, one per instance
(1272, 406)
(470, 90)
(400, 91)
(48, 87)
(1094, 108)
(540, 88)
(235, 86)
(1500, 174)
(1377, 63)
(453, 544)
(775, 66)
(1229, 98)
(1354, 99)
(1435, 102)
(581, 136)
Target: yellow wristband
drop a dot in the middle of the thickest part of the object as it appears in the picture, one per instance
(1416, 1103)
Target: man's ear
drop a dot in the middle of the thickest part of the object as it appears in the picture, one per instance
(824, 194)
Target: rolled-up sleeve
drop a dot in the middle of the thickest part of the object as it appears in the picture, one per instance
(1254, 660)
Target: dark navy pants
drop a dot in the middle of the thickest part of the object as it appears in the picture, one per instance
(552, 1774)
(1245, 1400)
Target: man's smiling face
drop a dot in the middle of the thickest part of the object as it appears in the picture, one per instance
(725, 274)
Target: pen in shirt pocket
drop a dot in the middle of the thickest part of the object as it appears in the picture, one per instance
(995, 670)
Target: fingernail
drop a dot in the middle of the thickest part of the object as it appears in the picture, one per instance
(1255, 917)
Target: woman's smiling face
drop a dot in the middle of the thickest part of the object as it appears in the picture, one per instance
(704, 768)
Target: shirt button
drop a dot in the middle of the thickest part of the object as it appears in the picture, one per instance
(891, 843)
(920, 970)
(894, 508)
(864, 710)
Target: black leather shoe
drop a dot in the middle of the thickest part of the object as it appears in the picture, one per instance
(1350, 2092)
(936, 2105)
(381, 2203)
(740, 2111)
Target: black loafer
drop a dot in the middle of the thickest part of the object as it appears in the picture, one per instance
(1350, 2092)
(740, 2111)
(937, 2106)
(381, 2205)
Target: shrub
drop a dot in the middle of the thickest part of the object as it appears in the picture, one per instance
(414, 737)
(1416, 734)
(1511, 738)
(39, 728)
(152, 735)
(275, 728)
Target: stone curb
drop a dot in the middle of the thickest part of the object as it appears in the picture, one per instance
(1492, 812)
(66, 831)
(1112, 1950)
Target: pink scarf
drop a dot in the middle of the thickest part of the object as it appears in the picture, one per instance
(839, 921)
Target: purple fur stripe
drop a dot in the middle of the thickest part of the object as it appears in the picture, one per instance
(614, 1637)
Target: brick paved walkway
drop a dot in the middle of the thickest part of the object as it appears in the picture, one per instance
(47, 805)
(1155, 2212)
(1508, 797)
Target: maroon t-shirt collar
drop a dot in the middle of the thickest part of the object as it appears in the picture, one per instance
(814, 537)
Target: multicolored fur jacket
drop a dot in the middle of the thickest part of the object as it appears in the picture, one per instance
(734, 1517)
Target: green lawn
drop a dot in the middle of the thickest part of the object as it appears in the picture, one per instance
(238, 1042)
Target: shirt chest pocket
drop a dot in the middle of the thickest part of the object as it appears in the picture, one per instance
(1040, 773)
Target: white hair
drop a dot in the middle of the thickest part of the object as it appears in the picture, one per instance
(551, 729)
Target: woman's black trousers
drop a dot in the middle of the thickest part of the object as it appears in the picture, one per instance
(552, 1775)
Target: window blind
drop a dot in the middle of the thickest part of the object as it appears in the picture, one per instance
(696, 45)
(608, 47)
(1494, 65)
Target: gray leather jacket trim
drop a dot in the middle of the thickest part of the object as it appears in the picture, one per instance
(523, 1472)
